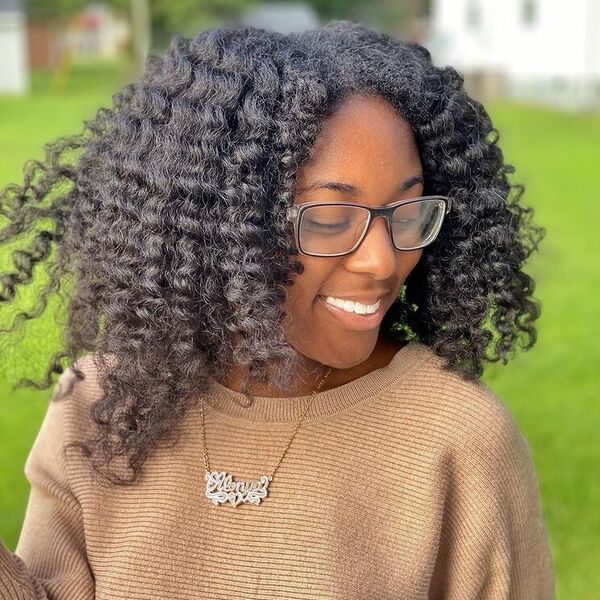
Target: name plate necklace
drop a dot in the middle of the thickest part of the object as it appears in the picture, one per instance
(220, 486)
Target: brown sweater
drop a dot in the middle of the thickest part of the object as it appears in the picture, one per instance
(408, 483)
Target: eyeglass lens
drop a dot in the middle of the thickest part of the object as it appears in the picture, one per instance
(333, 229)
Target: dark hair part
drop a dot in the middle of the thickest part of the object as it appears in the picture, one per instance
(168, 218)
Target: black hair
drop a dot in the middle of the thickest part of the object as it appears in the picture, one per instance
(167, 214)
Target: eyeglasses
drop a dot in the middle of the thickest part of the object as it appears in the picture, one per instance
(338, 228)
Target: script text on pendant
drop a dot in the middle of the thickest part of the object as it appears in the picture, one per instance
(221, 488)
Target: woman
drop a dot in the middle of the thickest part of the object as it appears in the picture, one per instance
(271, 392)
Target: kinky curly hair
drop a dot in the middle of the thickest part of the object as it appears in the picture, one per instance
(167, 214)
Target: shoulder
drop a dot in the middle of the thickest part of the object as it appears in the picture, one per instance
(66, 419)
(73, 396)
(490, 512)
(467, 417)
(468, 436)
(71, 385)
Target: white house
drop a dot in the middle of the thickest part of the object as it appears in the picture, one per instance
(97, 31)
(545, 51)
(14, 75)
(285, 17)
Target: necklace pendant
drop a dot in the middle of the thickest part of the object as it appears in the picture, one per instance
(221, 488)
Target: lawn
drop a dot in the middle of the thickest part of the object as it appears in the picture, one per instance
(552, 390)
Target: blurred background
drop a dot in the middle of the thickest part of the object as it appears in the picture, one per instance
(535, 64)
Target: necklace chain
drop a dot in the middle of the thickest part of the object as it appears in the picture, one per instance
(221, 488)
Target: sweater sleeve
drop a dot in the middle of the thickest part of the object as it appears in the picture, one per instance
(50, 559)
(493, 543)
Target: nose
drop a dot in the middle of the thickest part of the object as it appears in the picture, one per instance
(376, 252)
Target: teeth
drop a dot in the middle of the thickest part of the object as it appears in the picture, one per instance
(351, 306)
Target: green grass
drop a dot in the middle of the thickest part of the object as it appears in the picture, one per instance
(27, 125)
(551, 390)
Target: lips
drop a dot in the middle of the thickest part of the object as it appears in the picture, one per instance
(354, 321)
(366, 298)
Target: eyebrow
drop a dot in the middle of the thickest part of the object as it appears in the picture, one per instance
(348, 188)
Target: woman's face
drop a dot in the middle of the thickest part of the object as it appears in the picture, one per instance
(368, 145)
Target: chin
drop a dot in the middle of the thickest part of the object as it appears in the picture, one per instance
(346, 353)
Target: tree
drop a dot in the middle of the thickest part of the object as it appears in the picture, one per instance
(41, 10)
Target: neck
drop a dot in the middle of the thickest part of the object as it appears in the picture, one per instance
(312, 371)
(310, 374)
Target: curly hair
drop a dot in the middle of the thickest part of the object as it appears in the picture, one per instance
(167, 213)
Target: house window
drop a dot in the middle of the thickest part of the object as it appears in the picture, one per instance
(473, 15)
(528, 12)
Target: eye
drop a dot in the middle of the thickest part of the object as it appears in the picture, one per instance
(327, 227)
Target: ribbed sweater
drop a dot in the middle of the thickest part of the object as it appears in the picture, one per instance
(408, 482)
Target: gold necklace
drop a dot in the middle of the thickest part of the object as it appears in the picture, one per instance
(220, 486)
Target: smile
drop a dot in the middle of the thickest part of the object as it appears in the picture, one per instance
(352, 320)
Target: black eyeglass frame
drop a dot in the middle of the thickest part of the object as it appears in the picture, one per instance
(294, 215)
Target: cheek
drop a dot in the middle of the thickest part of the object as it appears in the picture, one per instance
(409, 260)
(303, 293)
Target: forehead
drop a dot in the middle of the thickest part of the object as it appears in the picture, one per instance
(365, 142)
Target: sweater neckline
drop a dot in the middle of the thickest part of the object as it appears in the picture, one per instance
(284, 409)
